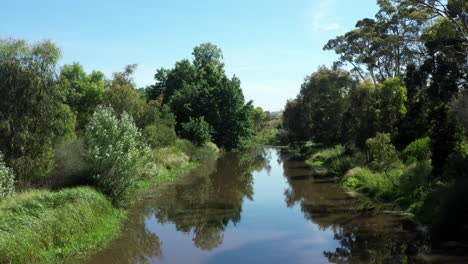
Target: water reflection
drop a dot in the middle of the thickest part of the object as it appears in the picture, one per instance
(205, 203)
(243, 208)
(364, 237)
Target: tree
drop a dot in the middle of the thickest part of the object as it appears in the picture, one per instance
(360, 118)
(259, 118)
(122, 95)
(320, 106)
(322, 95)
(294, 121)
(384, 45)
(391, 99)
(168, 81)
(201, 89)
(33, 115)
(446, 134)
(207, 54)
(452, 10)
(84, 91)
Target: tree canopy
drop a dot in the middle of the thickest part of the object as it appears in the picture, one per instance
(200, 88)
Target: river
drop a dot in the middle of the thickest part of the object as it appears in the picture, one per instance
(260, 206)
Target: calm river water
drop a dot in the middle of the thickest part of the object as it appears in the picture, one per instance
(262, 207)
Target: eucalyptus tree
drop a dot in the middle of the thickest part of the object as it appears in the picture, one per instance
(381, 48)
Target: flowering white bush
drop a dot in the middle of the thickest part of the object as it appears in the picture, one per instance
(7, 179)
(114, 153)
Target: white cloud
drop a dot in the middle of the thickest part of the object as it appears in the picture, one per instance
(322, 20)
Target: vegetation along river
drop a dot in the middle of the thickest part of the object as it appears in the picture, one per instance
(260, 206)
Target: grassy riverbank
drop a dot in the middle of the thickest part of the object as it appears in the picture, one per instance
(396, 181)
(41, 226)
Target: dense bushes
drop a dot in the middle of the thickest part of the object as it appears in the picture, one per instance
(159, 135)
(114, 154)
(382, 176)
(48, 227)
(197, 130)
(420, 149)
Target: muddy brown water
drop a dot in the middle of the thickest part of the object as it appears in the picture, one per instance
(260, 206)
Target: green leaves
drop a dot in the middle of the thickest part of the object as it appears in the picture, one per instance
(84, 92)
(114, 154)
(33, 115)
(201, 89)
(197, 130)
(384, 156)
(320, 106)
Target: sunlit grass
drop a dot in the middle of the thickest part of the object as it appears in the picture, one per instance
(44, 227)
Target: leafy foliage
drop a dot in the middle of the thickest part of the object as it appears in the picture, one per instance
(32, 110)
(202, 89)
(383, 155)
(197, 130)
(420, 149)
(122, 95)
(84, 91)
(114, 154)
(320, 105)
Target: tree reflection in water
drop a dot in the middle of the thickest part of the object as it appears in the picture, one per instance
(202, 202)
(363, 237)
(205, 201)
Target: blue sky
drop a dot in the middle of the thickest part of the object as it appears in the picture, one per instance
(271, 45)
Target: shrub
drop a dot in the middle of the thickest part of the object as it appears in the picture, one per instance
(332, 159)
(197, 130)
(170, 158)
(384, 156)
(327, 155)
(159, 135)
(339, 166)
(7, 179)
(420, 149)
(374, 184)
(114, 154)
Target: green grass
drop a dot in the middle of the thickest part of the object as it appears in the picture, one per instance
(332, 160)
(326, 155)
(48, 227)
(376, 185)
(40, 226)
(166, 175)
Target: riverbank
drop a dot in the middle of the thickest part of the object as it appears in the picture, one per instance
(42, 226)
(400, 184)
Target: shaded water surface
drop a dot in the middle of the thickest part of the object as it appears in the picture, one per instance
(261, 207)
